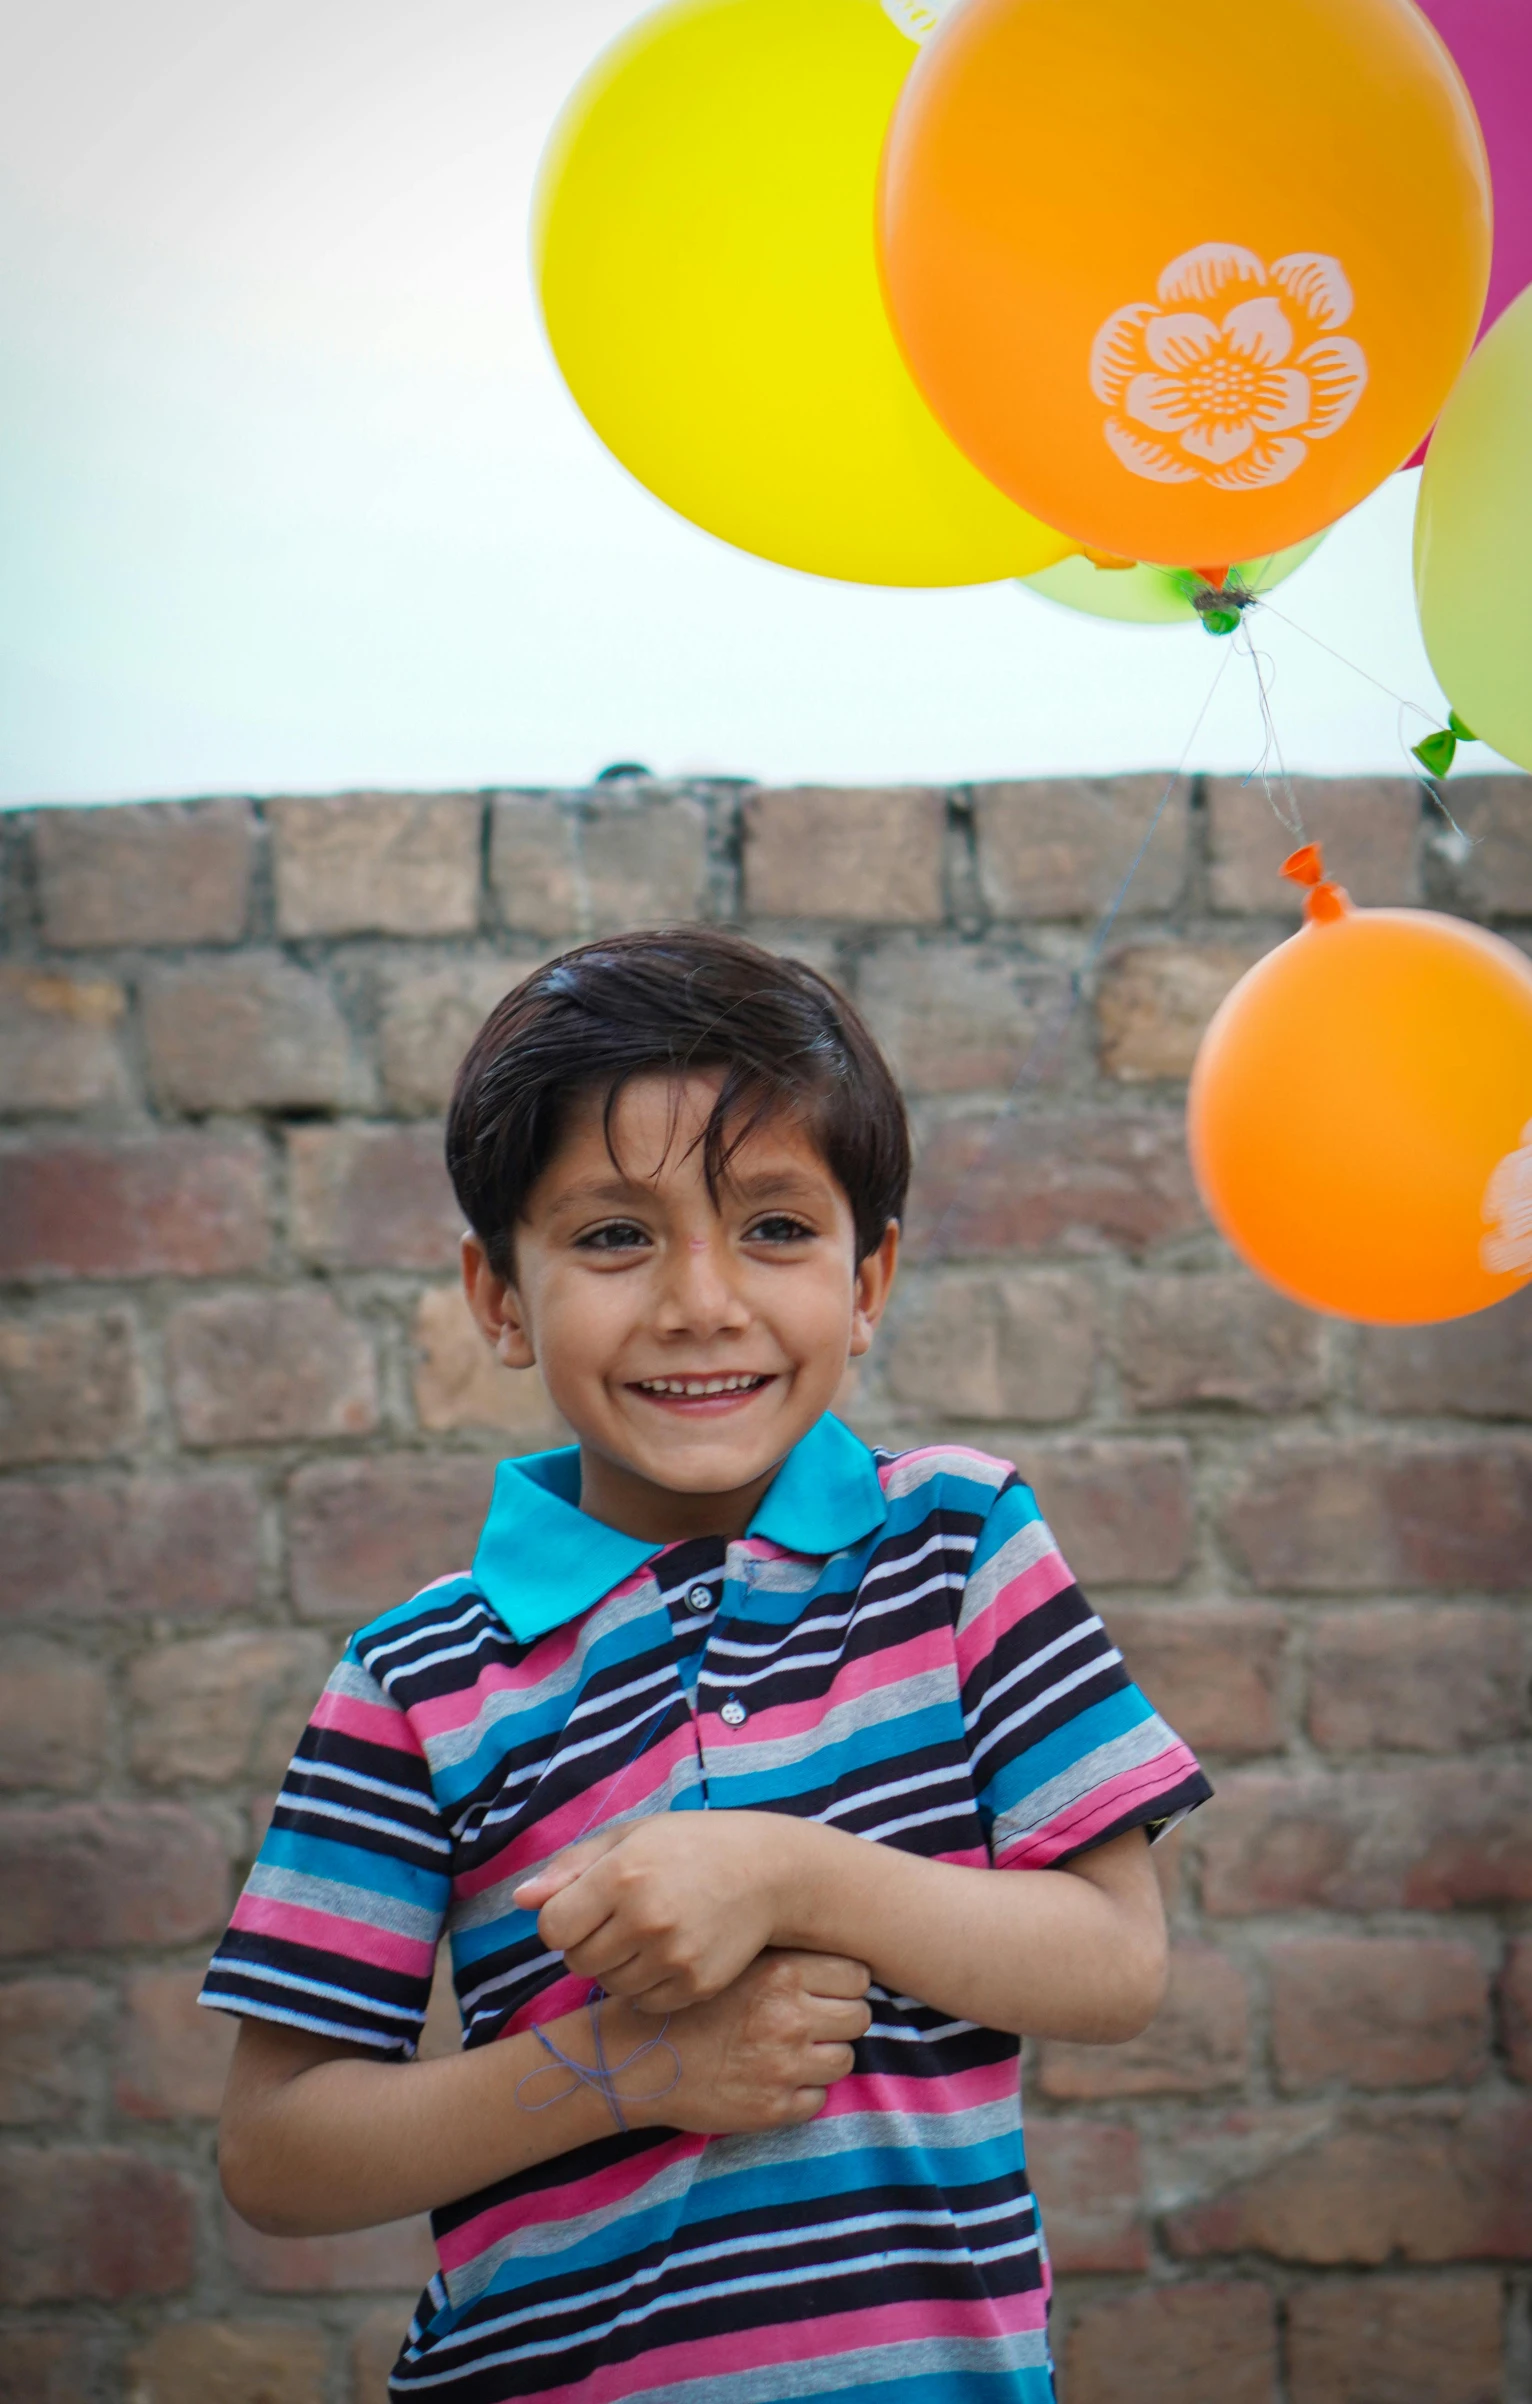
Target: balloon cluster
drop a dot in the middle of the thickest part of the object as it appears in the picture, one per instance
(910, 293)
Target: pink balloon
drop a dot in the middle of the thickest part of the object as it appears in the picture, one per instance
(1491, 40)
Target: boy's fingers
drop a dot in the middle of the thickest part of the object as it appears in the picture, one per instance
(832, 1974)
(563, 1870)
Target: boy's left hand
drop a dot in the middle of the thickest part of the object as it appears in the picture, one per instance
(666, 1911)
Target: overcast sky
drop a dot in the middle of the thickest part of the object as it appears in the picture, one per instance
(291, 496)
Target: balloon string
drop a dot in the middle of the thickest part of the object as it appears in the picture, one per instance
(602, 2075)
(1057, 1021)
(1292, 817)
(1432, 718)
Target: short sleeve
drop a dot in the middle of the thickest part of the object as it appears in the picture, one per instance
(1065, 1751)
(338, 1925)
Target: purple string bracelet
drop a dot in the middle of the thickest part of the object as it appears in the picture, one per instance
(604, 2075)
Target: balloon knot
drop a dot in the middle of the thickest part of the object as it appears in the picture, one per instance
(1306, 866)
(1218, 602)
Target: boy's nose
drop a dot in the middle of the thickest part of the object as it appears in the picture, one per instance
(699, 1292)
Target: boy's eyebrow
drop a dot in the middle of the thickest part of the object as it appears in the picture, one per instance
(616, 1192)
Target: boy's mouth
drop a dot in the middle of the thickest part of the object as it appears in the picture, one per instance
(731, 1387)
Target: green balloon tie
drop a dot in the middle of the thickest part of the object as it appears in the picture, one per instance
(1436, 752)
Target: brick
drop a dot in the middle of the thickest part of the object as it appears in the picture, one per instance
(224, 1707)
(1018, 1346)
(1425, 1839)
(1019, 1184)
(429, 1017)
(93, 2223)
(1213, 1670)
(1059, 847)
(53, 1716)
(230, 2362)
(1219, 1338)
(376, 863)
(1494, 879)
(1121, 1511)
(175, 1205)
(1205, 2341)
(1088, 2180)
(175, 2055)
(251, 1033)
(1197, 2043)
(871, 857)
(1432, 2183)
(959, 1017)
(49, 2042)
(1378, 2012)
(1369, 826)
(606, 861)
(51, 2366)
(128, 1548)
(154, 872)
(459, 1383)
(367, 1534)
(59, 1047)
(268, 1369)
(375, 2350)
(1356, 1517)
(1398, 2341)
(1513, 1995)
(1394, 1677)
(71, 1387)
(1480, 1367)
(372, 1198)
(1154, 1001)
(80, 1876)
(399, 2255)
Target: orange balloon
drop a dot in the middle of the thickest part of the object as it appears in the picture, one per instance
(1360, 1116)
(1186, 285)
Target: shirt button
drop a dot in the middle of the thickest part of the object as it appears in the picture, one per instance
(699, 1598)
(733, 1714)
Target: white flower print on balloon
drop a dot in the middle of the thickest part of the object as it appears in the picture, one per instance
(1507, 1250)
(1233, 372)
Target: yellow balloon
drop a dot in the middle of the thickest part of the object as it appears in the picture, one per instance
(704, 251)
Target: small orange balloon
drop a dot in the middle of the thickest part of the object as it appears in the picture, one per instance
(1187, 284)
(1360, 1116)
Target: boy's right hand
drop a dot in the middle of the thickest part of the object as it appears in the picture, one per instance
(760, 2055)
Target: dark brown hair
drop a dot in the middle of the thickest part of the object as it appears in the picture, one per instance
(666, 1004)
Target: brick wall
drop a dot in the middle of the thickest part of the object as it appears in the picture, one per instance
(240, 1409)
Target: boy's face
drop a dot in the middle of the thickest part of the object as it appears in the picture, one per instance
(688, 1342)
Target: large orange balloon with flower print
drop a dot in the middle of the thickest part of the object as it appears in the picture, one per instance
(1186, 283)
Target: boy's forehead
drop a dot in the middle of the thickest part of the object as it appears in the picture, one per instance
(654, 1136)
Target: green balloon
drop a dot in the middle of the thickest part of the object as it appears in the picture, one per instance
(1473, 537)
(1146, 596)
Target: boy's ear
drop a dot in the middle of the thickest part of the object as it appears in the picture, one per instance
(496, 1306)
(874, 1284)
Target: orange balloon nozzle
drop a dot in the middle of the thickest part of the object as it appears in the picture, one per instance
(1306, 866)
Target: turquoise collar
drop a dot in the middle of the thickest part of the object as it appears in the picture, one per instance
(542, 1560)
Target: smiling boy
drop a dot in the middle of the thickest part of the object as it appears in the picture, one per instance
(705, 1768)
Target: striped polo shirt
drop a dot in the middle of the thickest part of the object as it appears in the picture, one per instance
(895, 1648)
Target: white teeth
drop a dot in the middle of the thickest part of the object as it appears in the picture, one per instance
(698, 1388)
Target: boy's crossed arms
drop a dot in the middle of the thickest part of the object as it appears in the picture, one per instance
(759, 1934)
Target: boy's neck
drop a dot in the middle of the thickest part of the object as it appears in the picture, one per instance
(621, 1499)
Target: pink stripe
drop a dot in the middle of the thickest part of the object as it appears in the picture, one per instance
(946, 1452)
(811, 2340)
(1082, 1822)
(1020, 1596)
(599, 2191)
(372, 1723)
(869, 1674)
(878, 2091)
(583, 1815)
(325, 1932)
(444, 1715)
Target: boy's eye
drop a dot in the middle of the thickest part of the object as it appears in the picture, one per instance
(618, 1235)
(780, 1228)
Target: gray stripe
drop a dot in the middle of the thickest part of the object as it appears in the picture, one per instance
(1016, 1556)
(458, 1744)
(920, 1693)
(955, 1460)
(921, 2357)
(401, 1919)
(1044, 1803)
